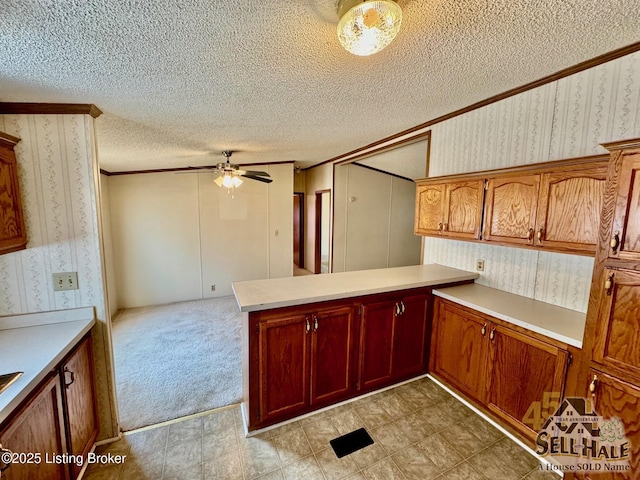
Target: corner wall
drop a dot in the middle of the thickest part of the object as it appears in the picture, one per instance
(58, 175)
(563, 119)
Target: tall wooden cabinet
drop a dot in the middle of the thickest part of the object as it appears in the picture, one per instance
(610, 369)
(13, 235)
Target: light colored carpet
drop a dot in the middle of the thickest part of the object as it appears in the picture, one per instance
(177, 359)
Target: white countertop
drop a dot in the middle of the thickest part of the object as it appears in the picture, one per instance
(550, 320)
(256, 295)
(35, 344)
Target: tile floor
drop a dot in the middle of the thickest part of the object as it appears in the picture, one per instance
(420, 432)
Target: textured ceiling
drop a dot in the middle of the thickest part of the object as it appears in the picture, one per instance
(178, 79)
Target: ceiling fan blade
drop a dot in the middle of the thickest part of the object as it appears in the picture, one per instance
(256, 173)
(260, 179)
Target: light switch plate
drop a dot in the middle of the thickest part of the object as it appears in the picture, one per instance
(65, 281)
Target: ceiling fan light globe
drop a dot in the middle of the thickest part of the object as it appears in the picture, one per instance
(237, 181)
(370, 26)
(227, 181)
(218, 181)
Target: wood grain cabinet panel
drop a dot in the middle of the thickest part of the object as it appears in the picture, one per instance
(625, 230)
(79, 400)
(284, 365)
(510, 209)
(429, 214)
(459, 347)
(618, 334)
(410, 337)
(521, 371)
(38, 428)
(376, 343)
(616, 398)
(13, 235)
(569, 208)
(451, 209)
(332, 355)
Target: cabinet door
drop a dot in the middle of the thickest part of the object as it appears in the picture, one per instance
(332, 354)
(460, 347)
(625, 231)
(522, 370)
(615, 398)
(618, 335)
(284, 365)
(409, 337)
(376, 343)
(510, 209)
(37, 428)
(569, 208)
(12, 230)
(79, 400)
(430, 209)
(463, 209)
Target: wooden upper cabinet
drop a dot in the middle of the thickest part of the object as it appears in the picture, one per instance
(450, 209)
(463, 209)
(430, 209)
(625, 231)
(510, 209)
(13, 235)
(569, 207)
(617, 333)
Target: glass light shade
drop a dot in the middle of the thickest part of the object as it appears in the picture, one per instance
(236, 181)
(369, 26)
(227, 181)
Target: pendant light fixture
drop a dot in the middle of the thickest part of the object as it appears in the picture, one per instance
(368, 26)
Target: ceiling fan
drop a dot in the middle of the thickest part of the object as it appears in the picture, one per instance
(229, 174)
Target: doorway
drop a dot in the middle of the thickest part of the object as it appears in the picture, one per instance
(298, 229)
(323, 232)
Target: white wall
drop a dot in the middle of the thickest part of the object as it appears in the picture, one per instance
(176, 235)
(563, 119)
(109, 265)
(57, 168)
(373, 222)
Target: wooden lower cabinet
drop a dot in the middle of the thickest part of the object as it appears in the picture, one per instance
(501, 369)
(81, 420)
(523, 370)
(304, 359)
(37, 430)
(392, 340)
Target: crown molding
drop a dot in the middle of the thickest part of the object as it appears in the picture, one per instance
(13, 108)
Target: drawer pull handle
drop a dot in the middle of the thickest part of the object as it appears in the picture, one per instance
(593, 385)
(615, 242)
(5, 454)
(71, 376)
(608, 285)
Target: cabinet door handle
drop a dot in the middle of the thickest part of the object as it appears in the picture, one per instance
(483, 331)
(315, 323)
(530, 235)
(446, 227)
(540, 235)
(5, 454)
(492, 335)
(68, 374)
(440, 228)
(402, 308)
(397, 307)
(615, 242)
(608, 285)
(593, 386)
(308, 327)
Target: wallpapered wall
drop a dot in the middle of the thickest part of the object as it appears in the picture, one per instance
(57, 167)
(563, 119)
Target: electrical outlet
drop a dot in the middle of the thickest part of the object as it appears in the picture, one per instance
(480, 265)
(65, 281)
(213, 287)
